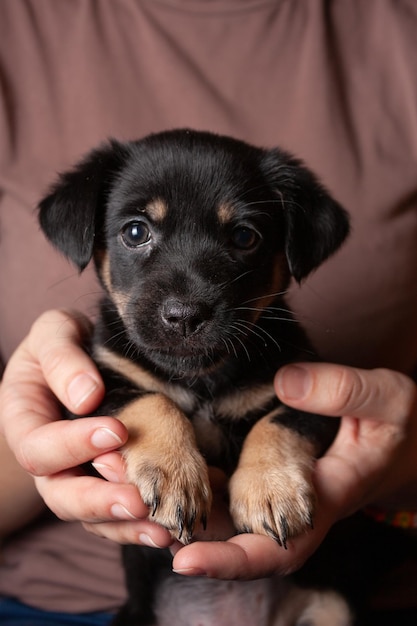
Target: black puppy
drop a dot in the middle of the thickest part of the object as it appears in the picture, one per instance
(195, 238)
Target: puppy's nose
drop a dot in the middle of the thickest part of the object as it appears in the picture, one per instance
(184, 318)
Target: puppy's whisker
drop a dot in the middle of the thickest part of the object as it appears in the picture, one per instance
(275, 294)
(254, 309)
(268, 337)
(224, 341)
(230, 282)
(236, 336)
(267, 314)
(246, 328)
(280, 309)
(254, 344)
(271, 338)
(282, 319)
(113, 338)
(230, 342)
(233, 347)
(130, 349)
(226, 345)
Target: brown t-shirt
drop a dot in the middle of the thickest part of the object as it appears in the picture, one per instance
(335, 82)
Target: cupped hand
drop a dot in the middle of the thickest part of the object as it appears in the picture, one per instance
(372, 458)
(51, 364)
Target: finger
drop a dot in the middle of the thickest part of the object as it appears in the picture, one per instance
(52, 357)
(250, 556)
(228, 560)
(111, 466)
(56, 341)
(113, 511)
(335, 390)
(73, 496)
(245, 557)
(60, 445)
(144, 533)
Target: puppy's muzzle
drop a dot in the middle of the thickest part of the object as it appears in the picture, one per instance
(185, 318)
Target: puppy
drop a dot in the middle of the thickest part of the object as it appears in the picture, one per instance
(195, 238)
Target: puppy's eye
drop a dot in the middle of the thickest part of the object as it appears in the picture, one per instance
(136, 234)
(245, 238)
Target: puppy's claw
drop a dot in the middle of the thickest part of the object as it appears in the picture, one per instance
(285, 531)
(186, 525)
(269, 531)
(191, 523)
(279, 505)
(155, 504)
(180, 521)
(177, 497)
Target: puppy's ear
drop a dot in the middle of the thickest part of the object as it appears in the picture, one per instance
(316, 225)
(72, 215)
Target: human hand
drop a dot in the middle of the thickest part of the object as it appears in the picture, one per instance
(372, 458)
(50, 363)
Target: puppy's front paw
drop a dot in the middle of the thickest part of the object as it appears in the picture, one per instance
(175, 487)
(274, 501)
(271, 491)
(163, 461)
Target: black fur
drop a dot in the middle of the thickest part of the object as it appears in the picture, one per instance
(195, 238)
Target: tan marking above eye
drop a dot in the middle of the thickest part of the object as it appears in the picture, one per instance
(156, 210)
(225, 213)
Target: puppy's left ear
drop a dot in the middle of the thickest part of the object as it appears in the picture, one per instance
(316, 225)
(72, 215)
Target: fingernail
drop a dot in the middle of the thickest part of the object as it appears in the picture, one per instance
(119, 511)
(294, 382)
(190, 571)
(175, 547)
(145, 540)
(80, 388)
(104, 438)
(107, 472)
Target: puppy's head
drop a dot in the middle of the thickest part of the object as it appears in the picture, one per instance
(194, 236)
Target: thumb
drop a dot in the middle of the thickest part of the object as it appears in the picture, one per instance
(337, 390)
(55, 345)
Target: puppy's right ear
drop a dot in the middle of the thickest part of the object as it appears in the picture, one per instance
(72, 215)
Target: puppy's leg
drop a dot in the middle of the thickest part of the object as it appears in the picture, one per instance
(271, 491)
(313, 607)
(163, 461)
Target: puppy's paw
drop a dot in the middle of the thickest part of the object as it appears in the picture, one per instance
(175, 487)
(163, 461)
(271, 491)
(274, 501)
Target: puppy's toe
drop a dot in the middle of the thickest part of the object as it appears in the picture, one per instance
(177, 490)
(278, 502)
